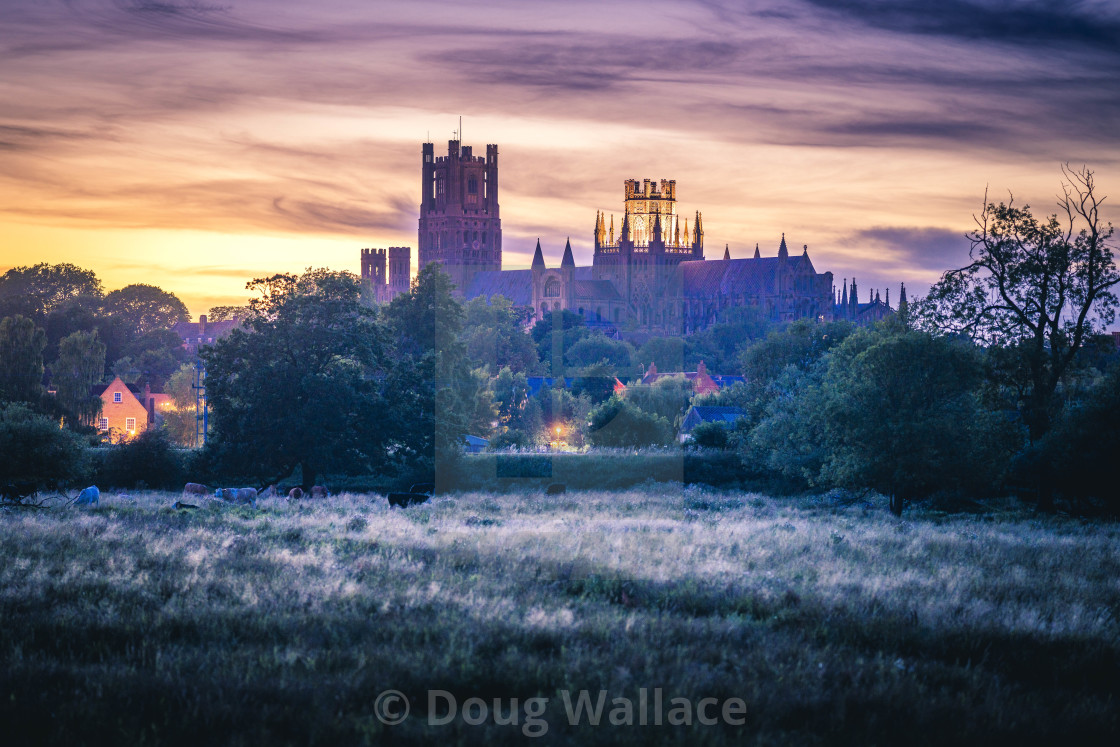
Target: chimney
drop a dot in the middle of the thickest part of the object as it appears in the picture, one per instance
(202, 324)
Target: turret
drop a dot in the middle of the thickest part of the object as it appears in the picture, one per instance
(698, 232)
(400, 272)
(600, 230)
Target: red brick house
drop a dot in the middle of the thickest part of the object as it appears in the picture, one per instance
(127, 410)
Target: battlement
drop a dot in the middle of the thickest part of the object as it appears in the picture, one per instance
(461, 153)
(651, 189)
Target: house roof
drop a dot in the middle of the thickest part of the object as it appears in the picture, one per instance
(192, 330)
(712, 414)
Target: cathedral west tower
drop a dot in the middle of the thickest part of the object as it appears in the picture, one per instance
(459, 222)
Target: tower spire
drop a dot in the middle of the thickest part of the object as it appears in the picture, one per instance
(568, 260)
(757, 254)
(538, 257)
(783, 251)
(726, 251)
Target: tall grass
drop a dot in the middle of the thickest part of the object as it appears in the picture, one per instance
(136, 623)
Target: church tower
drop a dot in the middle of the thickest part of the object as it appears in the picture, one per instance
(459, 222)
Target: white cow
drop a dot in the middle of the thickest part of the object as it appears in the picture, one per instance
(91, 496)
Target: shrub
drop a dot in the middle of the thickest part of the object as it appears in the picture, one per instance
(36, 451)
(149, 461)
(616, 422)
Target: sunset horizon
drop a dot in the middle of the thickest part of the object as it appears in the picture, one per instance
(195, 147)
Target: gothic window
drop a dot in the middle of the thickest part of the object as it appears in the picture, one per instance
(552, 289)
(439, 185)
(472, 185)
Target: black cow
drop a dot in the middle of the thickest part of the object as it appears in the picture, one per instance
(404, 500)
(556, 488)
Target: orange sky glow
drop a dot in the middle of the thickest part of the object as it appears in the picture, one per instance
(196, 146)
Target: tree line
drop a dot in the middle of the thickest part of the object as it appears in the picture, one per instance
(986, 385)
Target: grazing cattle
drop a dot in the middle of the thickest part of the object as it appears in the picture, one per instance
(556, 488)
(269, 492)
(91, 496)
(195, 488)
(319, 491)
(180, 505)
(404, 500)
(426, 488)
(247, 496)
(295, 493)
(17, 491)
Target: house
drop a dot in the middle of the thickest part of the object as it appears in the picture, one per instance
(127, 410)
(698, 414)
(198, 334)
(702, 382)
(475, 444)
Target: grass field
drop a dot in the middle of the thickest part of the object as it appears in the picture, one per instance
(134, 623)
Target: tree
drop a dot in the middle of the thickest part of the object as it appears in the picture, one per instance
(903, 416)
(553, 335)
(493, 335)
(299, 386)
(430, 383)
(80, 365)
(597, 348)
(180, 419)
(34, 451)
(144, 308)
(36, 291)
(1041, 287)
(226, 313)
(667, 398)
(1085, 441)
(21, 359)
(618, 423)
(711, 436)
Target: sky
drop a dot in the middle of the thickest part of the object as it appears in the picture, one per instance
(197, 145)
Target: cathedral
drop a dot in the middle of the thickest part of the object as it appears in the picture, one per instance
(651, 275)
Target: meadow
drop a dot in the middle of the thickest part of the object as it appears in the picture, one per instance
(136, 623)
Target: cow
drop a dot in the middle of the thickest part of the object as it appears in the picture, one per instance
(17, 491)
(246, 496)
(556, 488)
(196, 488)
(319, 491)
(269, 492)
(295, 493)
(404, 500)
(91, 496)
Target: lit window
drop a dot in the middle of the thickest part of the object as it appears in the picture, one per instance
(103, 424)
(117, 397)
(130, 425)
